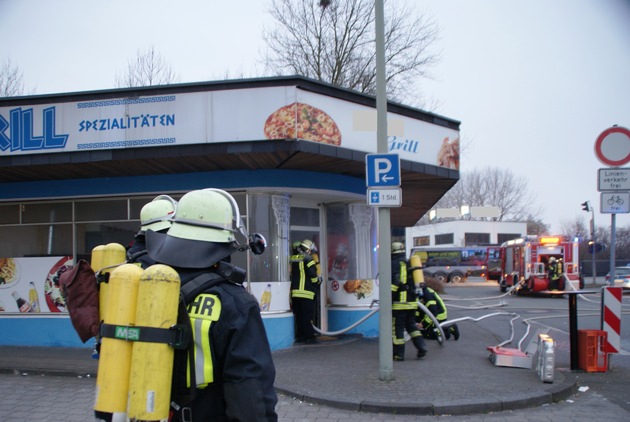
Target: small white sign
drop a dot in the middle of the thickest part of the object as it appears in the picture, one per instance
(613, 179)
(615, 202)
(384, 197)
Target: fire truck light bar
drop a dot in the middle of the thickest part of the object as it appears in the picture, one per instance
(550, 240)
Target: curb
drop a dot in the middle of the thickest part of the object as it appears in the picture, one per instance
(554, 393)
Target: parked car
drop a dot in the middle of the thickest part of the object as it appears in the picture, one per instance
(622, 277)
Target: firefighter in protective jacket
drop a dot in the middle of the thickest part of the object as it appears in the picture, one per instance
(553, 274)
(434, 303)
(304, 286)
(233, 366)
(403, 305)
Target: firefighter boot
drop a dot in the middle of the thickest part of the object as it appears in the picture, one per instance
(454, 329)
(447, 333)
(419, 343)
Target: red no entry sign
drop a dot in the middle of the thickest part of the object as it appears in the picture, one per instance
(612, 146)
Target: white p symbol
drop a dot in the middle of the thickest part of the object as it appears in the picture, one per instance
(381, 166)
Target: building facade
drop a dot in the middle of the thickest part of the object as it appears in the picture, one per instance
(457, 233)
(75, 170)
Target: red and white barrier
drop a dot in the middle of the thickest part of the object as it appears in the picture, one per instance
(611, 318)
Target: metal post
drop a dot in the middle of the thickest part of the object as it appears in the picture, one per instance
(573, 331)
(384, 224)
(613, 240)
(594, 244)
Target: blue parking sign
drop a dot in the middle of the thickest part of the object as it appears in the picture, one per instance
(382, 170)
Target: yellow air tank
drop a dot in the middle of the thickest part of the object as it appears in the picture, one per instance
(152, 363)
(112, 382)
(104, 257)
(415, 264)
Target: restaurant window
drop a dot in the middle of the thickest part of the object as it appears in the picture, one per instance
(10, 214)
(51, 212)
(35, 240)
(101, 210)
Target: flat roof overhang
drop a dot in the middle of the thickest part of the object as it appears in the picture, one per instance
(422, 185)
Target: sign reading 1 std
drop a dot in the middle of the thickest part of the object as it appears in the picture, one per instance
(384, 197)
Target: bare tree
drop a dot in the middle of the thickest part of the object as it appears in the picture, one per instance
(11, 84)
(575, 228)
(536, 226)
(333, 41)
(148, 68)
(493, 187)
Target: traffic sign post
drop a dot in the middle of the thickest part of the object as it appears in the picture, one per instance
(612, 147)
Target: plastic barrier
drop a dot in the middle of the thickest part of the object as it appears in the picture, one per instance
(592, 354)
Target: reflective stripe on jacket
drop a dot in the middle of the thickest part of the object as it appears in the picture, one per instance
(304, 280)
(203, 312)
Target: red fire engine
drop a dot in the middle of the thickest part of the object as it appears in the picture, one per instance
(524, 263)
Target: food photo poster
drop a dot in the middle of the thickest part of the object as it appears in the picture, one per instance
(31, 285)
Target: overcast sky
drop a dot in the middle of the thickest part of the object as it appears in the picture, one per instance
(534, 82)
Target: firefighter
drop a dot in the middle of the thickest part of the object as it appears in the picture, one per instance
(234, 369)
(552, 271)
(560, 271)
(304, 285)
(403, 305)
(154, 216)
(434, 303)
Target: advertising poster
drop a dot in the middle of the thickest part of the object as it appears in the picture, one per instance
(343, 288)
(31, 285)
(272, 297)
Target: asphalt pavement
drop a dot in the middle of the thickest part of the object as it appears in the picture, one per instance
(342, 372)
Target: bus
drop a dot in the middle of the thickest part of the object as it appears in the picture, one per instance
(456, 264)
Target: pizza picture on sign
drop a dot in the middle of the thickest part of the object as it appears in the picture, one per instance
(302, 121)
(448, 156)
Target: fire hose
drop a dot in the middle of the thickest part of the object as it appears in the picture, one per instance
(372, 312)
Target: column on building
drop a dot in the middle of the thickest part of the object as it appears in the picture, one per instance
(362, 216)
(281, 205)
